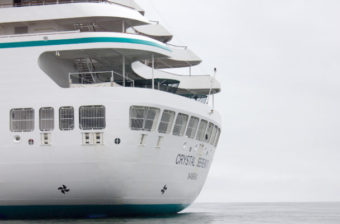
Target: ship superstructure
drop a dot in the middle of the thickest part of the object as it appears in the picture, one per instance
(92, 126)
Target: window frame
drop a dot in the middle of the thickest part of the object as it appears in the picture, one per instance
(213, 135)
(41, 120)
(144, 119)
(168, 123)
(27, 124)
(84, 125)
(208, 132)
(183, 127)
(193, 130)
(200, 132)
(217, 138)
(154, 119)
(69, 127)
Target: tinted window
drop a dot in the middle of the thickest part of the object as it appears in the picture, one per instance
(166, 121)
(201, 130)
(192, 127)
(46, 119)
(22, 120)
(180, 124)
(143, 118)
(66, 118)
(92, 117)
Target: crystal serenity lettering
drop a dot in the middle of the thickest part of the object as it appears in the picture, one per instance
(188, 160)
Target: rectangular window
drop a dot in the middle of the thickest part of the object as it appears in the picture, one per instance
(209, 132)
(143, 118)
(66, 118)
(22, 120)
(180, 124)
(201, 130)
(192, 127)
(46, 119)
(217, 136)
(137, 115)
(92, 117)
(166, 121)
(150, 118)
(20, 29)
(213, 135)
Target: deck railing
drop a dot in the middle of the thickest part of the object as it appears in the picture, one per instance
(52, 2)
(99, 77)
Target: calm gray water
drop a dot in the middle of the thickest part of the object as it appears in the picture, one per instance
(235, 213)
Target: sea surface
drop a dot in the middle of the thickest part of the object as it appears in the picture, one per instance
(230, 213)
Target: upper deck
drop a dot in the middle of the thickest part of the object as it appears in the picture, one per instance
(102, 60)
(78, 15)
(23, 3)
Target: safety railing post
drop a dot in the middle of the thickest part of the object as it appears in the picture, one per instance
(153, 70)
(69, 79)
(111, 78)
(123, 70)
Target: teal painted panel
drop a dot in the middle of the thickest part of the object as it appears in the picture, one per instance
(85, 40)
(87, 211)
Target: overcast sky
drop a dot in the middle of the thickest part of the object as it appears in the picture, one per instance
(279, 65)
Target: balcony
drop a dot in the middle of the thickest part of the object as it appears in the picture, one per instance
(23, 3)
(57, 16)
(99, 78)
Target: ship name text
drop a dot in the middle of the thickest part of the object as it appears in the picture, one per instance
(188, 160)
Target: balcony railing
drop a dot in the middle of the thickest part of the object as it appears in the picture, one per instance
(24, 3)
(100, 77)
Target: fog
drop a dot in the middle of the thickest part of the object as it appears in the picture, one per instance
(278, 63)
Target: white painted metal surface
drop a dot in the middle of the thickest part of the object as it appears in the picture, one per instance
(69, 11)
(201, 84)
(133, 171)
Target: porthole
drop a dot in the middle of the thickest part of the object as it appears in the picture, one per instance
(17, 138)
(117, 141)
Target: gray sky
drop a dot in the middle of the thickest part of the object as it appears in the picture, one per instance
(279, 63)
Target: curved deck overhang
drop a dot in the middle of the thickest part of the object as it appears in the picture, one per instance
(155, 31)
(195, 84)
(180, 57)
(71, 11)
(130, 4)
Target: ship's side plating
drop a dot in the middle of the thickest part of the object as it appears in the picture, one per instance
(116, 169)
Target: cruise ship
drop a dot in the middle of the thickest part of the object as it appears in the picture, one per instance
(95, 122)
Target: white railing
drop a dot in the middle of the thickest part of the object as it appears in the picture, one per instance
(39, 34)
(100, 77)
(55, 2)
(47, 2)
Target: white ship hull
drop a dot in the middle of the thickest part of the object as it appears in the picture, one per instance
(112, 175)
(129, 172)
